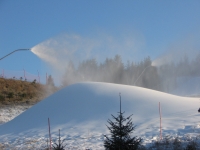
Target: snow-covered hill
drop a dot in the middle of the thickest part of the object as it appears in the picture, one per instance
(81, 111)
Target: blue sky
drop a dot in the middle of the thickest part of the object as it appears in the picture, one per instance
(156, 25)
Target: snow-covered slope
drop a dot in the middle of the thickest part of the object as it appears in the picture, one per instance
(82, 110)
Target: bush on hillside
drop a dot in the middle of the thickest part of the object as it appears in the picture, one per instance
(174, 144)
(2, 98)
(60, 145)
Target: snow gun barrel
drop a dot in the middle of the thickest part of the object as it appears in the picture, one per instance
(23, 49)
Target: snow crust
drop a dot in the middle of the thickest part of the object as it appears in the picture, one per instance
(10, 112)
(81, 112)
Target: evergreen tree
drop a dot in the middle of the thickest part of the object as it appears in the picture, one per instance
(121, 130)
(50, 81)
(60, 145)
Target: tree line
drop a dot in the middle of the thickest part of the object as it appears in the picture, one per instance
(143, 74)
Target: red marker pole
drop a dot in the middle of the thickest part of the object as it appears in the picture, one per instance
(49, 133)
(160, 122)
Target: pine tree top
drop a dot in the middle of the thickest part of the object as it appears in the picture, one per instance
(121, 130)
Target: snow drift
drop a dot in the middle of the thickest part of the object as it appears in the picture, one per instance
(84, 108)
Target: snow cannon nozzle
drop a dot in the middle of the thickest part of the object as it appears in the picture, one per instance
(23, 49)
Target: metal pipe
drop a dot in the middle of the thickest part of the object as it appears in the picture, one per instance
(23, 49)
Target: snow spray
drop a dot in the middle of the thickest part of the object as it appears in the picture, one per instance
(186, 47)
(59, 51)
(63, 48)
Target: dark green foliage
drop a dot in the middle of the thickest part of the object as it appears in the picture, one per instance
(192, 146)
(174, 144)
(50, 81)
(34, 81)
(113, 70)
(23, 95)
(163, 144)
(177, 144)
(2, 98)
(121, 134)
(142, 147)
(10, 95)
(121, 130)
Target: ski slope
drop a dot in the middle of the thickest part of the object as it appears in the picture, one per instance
(81, 112)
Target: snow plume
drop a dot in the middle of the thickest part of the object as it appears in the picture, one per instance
(188, 47)
(178, 67)
(61, 50)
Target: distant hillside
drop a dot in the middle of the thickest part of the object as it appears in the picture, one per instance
(23, 92)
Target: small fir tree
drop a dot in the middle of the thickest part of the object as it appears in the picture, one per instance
(121, 130)
(60, 145)
(50, 81)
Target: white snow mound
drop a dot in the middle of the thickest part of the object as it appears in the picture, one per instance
(84, 108)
